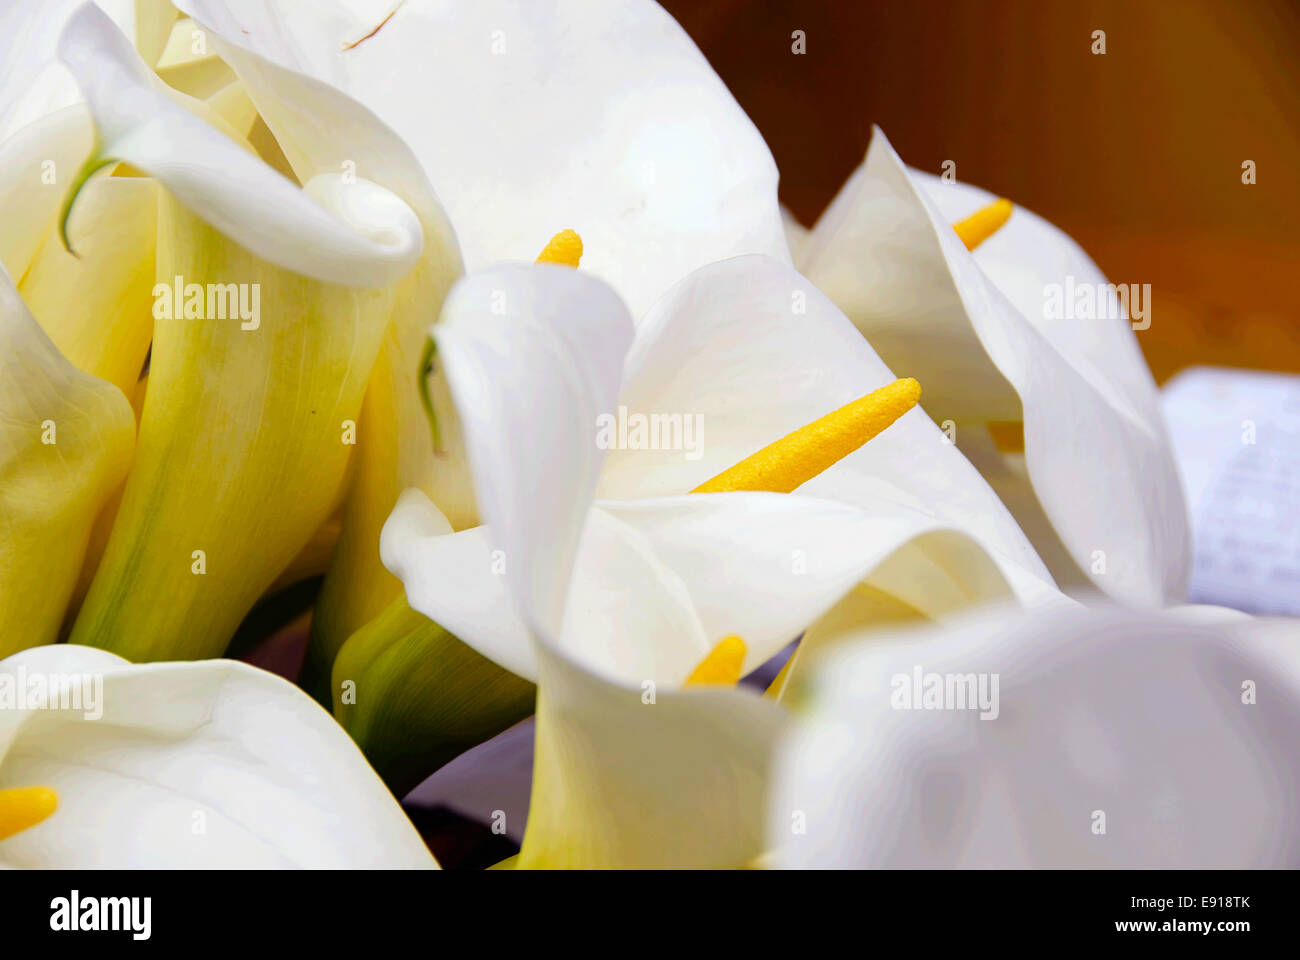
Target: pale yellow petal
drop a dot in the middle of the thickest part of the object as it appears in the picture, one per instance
(242, 450)
(627, 777)
(65, 445)
(97, 304)
(189, 63)
(233, 105)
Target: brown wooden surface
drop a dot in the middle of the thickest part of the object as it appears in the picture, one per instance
(1136, 153)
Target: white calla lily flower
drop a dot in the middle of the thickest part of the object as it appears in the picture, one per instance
(722, 349)
(1096, 488)
(603, 601)
(562, 343)
(105, 764)
(1082, 738)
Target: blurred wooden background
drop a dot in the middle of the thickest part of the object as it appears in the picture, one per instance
(1137, 153)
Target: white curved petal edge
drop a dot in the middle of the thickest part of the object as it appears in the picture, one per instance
(764, 566)
(531, 117)
(340, 230)
(1093, 738)
(456, 580)
(1031, 261)
(206, 764)
(656, 583)
(34, 84)
(987, 346)
(533, 355)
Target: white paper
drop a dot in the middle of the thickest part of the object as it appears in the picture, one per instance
(1236, 434)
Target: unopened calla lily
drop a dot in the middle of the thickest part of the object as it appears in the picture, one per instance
(256, 411)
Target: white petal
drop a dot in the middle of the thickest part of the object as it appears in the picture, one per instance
(34, 83)
(599, 115)
(796, 234)
(749, 350)
(269, 776)
(624, 758)
(457, 581)
(1096, 452)
(1027, 255)
(764, 566)
(355, 233)
(1142, 719)
(627, 615)
(658, 582)
(533, 355)
(625, 779)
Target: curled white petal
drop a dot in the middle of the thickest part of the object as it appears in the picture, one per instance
(227, 186)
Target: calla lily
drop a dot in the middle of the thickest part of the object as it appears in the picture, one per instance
(394, 449)
(602, 601)
(1096, 487)
(635, 143)
(725, 346)
(65, 445)
(254, 411)
(166, 765)
(1112, 739)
